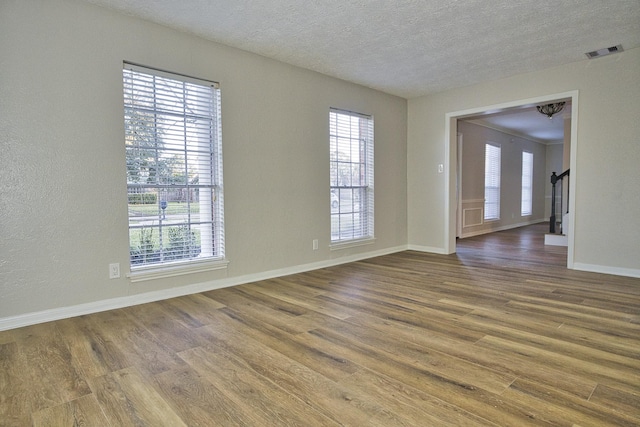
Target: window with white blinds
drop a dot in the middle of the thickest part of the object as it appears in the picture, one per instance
(491, 182)
(351, 173)
(527, 183)
(174, 168)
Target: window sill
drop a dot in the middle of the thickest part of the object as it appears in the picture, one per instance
(352, 244)
(178, 269)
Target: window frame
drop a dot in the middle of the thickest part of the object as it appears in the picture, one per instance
(526, 195)
(492, 181)
(351, 178)
(170, 114)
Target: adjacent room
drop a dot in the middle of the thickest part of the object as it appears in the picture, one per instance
(319, 213)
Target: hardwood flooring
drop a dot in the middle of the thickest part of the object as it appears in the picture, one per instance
(500, 333)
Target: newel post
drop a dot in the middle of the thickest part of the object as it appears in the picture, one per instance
(552, 220)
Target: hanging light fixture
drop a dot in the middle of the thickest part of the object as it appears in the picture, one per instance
(550, 109)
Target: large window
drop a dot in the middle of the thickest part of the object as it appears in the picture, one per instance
(174, 168)
(491, 182)
(527, 183)
(351, 165)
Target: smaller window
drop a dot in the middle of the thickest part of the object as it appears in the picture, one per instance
(351, 173)
(527, 183)
(492, 182)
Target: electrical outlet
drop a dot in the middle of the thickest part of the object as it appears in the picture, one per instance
(315, 244)
(114, 270)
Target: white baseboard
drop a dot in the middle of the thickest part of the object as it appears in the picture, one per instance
(605, 269)
(19, 321)
(430, 249)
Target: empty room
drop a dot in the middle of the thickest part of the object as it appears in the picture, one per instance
(319, 213)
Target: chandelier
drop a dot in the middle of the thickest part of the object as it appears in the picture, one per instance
(550, 109)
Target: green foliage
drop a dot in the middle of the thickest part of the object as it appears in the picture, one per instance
(145, 250)
(147, 245)
(182, 243)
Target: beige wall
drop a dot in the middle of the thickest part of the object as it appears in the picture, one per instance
(63, 205)
(474, 139)
(607, 154)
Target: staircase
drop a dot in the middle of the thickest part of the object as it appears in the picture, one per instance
(559, 224)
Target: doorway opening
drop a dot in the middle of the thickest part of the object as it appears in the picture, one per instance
(454, 145)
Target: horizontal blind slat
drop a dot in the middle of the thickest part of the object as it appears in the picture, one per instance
(351, 175)
(172, 134)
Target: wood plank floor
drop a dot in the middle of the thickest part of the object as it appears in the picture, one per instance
(500, 333)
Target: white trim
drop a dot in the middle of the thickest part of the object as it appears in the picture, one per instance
(464, 217)
(429, 249)
(572, 182)
(171, 270)
(450, 178)
(19, 321)
(351, 244)
(459, 212)
(605, 269)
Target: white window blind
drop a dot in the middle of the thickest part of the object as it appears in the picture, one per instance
(351, 176)
(527, 183)
(174, 168)
(491, 182)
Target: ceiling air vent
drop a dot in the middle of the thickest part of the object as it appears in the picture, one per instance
(603, 52)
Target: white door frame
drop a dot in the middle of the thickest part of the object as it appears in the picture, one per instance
(451, 160)
(459, 185)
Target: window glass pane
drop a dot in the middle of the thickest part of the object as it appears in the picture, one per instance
(527, 183)
(351, 175)
(492, 182)
(174, 168)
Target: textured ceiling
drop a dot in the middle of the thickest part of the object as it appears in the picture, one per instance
(404, 47)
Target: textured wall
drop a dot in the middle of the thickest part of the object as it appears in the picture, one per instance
(63, 205)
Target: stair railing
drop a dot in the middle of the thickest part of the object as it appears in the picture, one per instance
(554, 180)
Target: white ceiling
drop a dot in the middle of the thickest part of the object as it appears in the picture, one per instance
(407, 48)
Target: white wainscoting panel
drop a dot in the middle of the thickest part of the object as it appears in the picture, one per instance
(472, 217)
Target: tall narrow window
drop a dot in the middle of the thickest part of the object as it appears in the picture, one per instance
(527, 183)
(491, 182)
(351, 166)
(174, 168)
